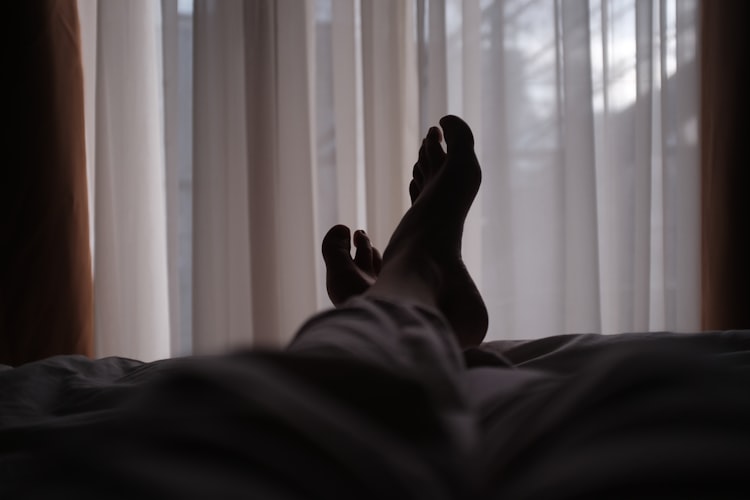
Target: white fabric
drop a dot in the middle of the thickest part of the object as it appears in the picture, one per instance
(172, 87)
(221, 227)
(296, 116)
(254, 167)
(389, 112)
(125, 132)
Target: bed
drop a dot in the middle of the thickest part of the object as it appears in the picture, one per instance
(572, 416)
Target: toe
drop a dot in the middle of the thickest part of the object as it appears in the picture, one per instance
(422, 168)
(363, 258)
(458, 135)
(434, 150)
(344, 279)
(336, 246)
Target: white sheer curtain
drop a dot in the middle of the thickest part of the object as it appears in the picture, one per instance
(125, 150)
(282, 118)
(254, 170)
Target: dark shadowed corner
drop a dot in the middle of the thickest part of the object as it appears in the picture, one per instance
(46, 290)
(725, 159)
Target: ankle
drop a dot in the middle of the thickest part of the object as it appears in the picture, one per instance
(410, 278)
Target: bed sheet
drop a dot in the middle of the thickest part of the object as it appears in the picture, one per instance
(570, 416)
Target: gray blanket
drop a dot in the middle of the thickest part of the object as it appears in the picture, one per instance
(647, 415)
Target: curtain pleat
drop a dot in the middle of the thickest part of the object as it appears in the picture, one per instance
(725, 170)
(222, 312)
(576, 178)
(345, 80)
(681, 170)
(254, 172)
(131, 279)
(262, 97)
(296, 169)
(46, 292)
(390, 108)
(170, 38)
(465, 99)
(435, 78)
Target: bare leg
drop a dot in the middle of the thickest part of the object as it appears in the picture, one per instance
(422, 262)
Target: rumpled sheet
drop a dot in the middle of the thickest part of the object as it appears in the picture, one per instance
(643, 414)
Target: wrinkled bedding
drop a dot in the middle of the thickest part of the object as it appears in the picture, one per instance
(642, 414)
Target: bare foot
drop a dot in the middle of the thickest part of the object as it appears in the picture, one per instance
(347, 277)
(423, 258)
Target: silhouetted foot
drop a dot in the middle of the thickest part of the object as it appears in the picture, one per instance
(426, 245)
(347, 277)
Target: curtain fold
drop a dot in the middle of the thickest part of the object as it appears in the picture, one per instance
(46, 292)
(261, 92)
(296, 168)
(221, 225)
(172, 87)
(390, 106)
(345, 82)
(575, 175)
(254, 169)
(130, 271)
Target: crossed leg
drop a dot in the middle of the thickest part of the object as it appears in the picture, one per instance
(422, 262)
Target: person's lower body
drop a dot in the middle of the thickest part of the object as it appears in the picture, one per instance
(397, 336)
(411, 348)
(409, 314)
(366, 402)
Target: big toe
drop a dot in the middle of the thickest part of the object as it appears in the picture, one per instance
(458, 135)
(461, 164)
(435, 155)
(336, 246)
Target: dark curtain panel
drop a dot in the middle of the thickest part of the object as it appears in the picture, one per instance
(725, 160)
(46, 291)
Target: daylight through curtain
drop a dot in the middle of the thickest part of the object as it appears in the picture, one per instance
(283, 118)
